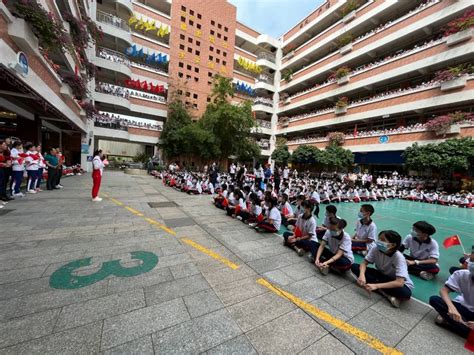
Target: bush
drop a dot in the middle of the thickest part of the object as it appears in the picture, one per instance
(336, 138)
(287, 74)
(344, 40)
(350, 6)
(460, 24)
(342, 102)
(453, 72)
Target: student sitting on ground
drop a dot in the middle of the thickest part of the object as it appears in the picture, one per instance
(390, 276)
(221, 199)
(272, 221)
(237, 204)
(366, 230)
(331, 211)
(338, 254)
(286, 210)
(457, 315)
(303, 237)
(424, 251)
(299, 210)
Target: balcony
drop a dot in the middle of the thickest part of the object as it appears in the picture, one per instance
(126, 4)
(262, 104)
(114, 61)
(264, 82)
(267, 60)
(114, 26)
(112, 94)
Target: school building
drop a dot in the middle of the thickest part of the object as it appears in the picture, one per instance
(374, 71)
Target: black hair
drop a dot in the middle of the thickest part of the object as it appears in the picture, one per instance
(269, 186)
(246, 188)
(392, 237)
(307, 204)
(331, 209)
(27, 145)
(339, 222)
(301, 197)
(425, 227)
(272, 200)
(368, 208)
(16, 144)
(284, 196)
(96, 152)
(224, 186)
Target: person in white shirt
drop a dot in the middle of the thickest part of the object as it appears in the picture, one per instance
(97, 171)
(272, 222)
(457, 315)
(335, 250)
(390, 276)
(286, 210)
(366, 230)
(32, 165)
(41, 167)
(424, 251)
(18, 168)
(232, 171)
(303, 237)
(331, 211)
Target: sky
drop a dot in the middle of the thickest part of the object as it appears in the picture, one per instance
(273, 17)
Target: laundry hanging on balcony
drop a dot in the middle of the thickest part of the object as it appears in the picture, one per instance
(150, 58)
(244, 88)
(145, 24)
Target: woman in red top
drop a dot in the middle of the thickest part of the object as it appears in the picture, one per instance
(5, 163)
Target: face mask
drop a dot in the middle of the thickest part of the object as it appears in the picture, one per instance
(360, 215)
(383, 246)
(414, 234)
(335, 233)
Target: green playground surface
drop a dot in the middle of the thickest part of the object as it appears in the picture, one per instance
(399, 215)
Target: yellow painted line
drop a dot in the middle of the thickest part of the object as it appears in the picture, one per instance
(134, 211)
(364, 337)
(210, 253)
(162, 226)
(117, 202)
(106, 195)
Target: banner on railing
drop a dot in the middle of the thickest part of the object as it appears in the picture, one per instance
(248, 65)
(145, 24)
(144, 85)
(150, 58)
(244, 88)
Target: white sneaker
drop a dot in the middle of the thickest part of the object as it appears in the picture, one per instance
(97, 199)
(20, 194)
(323, 270)
(394, 301)
(252, 225)
(31, 191)
(426, 275)
(1, 206)
(239, 218)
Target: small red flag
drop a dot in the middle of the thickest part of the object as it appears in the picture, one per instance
(355, 130)
(451, 241)
(298, 233)
(76, 70)
(469, 345)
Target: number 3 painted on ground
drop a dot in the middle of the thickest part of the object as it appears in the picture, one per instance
(64, 279)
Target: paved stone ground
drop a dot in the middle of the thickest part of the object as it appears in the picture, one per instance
(189, 302)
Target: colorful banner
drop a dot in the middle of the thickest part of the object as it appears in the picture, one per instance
(244, 88)
(147, 25)
(144, 85)
(249, 66)
(150, 58)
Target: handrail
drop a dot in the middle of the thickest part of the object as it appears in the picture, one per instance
(112, 20)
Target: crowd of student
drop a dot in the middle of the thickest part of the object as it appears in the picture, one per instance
(263, 101)
(20, 161)
(118, 58)
(264, 124)
(120, 91)
(114, 121)
(255, 200)
(263, 143)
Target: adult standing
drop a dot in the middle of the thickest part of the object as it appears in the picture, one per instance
(59, 172)
(286, 174)
(213, 174)
(232, 171)
(4, 165)
(41, 167)
(18, 167)
(97, 171)
(52, 162)
(8, 166)
(258, 176)
(277, 178)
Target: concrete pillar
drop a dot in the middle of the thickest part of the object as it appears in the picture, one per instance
(276, 101)
(87, 146)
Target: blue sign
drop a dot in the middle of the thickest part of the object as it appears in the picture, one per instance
(383, 139)
(23, 62)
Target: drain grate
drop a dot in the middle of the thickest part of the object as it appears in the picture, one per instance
(4, 212)
(162, 204)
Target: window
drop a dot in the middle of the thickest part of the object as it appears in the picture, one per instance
(183, 8)
(225, 54)
(199, 16)
(198, 25)
(224, 63)
(180, 75)
(211, 48)
(191, 23)
(196, 79)
(190, 40)
(191, 12)
(190, 50)
(196, 69)
(212, 33)
(189, 67)
(211, 57)
(195, 106)
(208, 99)
(209, 83)
(198, 52)
(213, 23)
(218, 60)
(181, 65)
(218, 51)
(183, 19)
(198, 43)
(226, 29)
(182, 37)
(219, 26)
(209, 74)
(195, 96)
(225, 38)
(181, 46)
(188, 94)
(219, 35)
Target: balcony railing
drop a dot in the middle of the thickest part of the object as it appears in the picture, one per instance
(114, 121)
(264, 143)
(264, 124)
(263, 101)
(267, 56)
(112, 56)
(126, 93)
(112, 20)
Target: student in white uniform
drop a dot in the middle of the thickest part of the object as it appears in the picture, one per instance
(334, 251)
(331, 211)
(390, 276)
(366, 230)
(272, 222)
(424, 251)
(303, 237)
(457, 315)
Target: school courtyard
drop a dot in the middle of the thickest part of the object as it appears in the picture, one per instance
(152, 270)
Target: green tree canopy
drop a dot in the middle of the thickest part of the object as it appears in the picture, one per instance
(305, 154)
(281, 155)
(448, 156)
(336, 157)
(172, 141)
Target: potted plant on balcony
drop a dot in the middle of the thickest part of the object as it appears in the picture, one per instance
(460, 29)
(341, 105)
(336, 138)
(341, 75)
(89, 108)
(50, 32)
(345, 43)
(453, 77)
(287, 75)
(348, 11)
(284, 121)
(76, 83)
(447, 124)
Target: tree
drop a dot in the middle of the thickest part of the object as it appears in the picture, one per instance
(336, 157)
(172, 140)
(199, 142)
(222, 89)
(305, 154)
(281, 155)
(448, 156)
